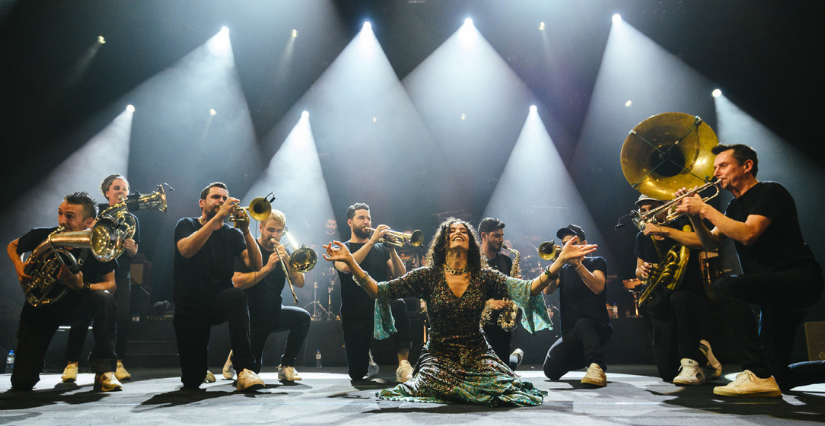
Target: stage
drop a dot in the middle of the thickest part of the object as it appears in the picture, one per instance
(634, 395)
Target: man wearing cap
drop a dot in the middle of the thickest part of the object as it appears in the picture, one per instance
(585, 326)
(677, 345)
(491, 232)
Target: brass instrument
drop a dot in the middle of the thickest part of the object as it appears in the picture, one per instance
(104, 240)
(259, 209)
(415, 239)
(549, 250)
(641, 220)
(120, 212)
(301, 260)
(509, 314)
(662, 154)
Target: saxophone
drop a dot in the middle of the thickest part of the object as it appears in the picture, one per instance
(667, 274)
(507, 317)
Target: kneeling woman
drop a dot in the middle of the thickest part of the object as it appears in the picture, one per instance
(457, 364)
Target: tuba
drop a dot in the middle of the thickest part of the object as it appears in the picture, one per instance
(104, 240)
(662, 154)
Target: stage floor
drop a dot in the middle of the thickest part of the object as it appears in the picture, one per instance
(326, 396)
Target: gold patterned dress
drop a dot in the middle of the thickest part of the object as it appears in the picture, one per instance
(457, 364)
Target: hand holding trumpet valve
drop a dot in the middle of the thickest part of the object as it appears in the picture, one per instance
(379, 233)
(692, 205)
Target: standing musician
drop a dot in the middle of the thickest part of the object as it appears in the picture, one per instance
(491, 232)
(88, 299)
(357, 307)
(204, 295)
(780, 273)
(585, 326)
(115, 188)
(677, 346)
(263, 291)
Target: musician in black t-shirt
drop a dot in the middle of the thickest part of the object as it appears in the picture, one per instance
(203, 292)
(679, 350)
(585, 326)
(87, 298)
(358, 308)
(780, 273)
(263, 290)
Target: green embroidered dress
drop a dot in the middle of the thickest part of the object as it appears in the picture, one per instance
(457, 364)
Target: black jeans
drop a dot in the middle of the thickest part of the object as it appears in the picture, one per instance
(358, 334)
(192, 329)
(578, 348)
(123, 324)
(784, 298)
(38, 325)
(676, 335)
(292, 319)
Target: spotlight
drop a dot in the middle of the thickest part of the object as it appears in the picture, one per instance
(617, 18)
(463, 116)
(541, 26)
(468, 21)
(294, 33)
(533, 108)
(374, 119)
(101, 40)
(367, 26)
(305, 114)
(225, 30)
(716, 93)
(628, 103)
(212, 111)
(130, 108)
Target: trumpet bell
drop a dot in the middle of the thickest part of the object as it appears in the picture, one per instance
(549, 250)
(303, 260)
(416, 238)
(667, 152)
(260, 209)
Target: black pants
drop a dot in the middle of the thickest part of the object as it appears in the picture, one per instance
(192, 328)
(38, 325)
(358, 334)
(499, 340)
(123, 324)
(290, 318)
(784, 298)
(578, 348)
(676, 334)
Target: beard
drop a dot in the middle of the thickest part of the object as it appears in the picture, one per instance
(361, 232)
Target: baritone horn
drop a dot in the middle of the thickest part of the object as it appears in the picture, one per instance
(415, 239)
(259, 209)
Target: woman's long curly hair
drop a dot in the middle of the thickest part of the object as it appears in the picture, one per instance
(437, 255)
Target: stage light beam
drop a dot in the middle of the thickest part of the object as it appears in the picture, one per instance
(130, 108)
(617, 18)
(716, 93)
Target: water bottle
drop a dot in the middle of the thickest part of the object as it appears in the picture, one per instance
(318, 358)
(615, 311)
(10, 363)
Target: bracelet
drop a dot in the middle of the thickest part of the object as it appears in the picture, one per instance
(246, 233)
(580, 266)
(552, 277)
(361, 281)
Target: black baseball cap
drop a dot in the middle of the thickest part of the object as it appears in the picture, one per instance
(571, 230)
(490, 224)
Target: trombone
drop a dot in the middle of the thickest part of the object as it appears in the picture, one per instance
(301, 260)
(415, 239)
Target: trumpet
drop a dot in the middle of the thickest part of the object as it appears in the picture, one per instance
(641, 220)
(301, 260)
(415, 239)
(259, 209)
(549, 250)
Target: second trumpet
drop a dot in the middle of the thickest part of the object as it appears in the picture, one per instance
(415, 239)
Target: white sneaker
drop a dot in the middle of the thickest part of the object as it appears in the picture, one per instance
(518, 353)
(248, 380)
(107, 382)
(210, 378)
(713, 366)
(287, 374)
(689, 373)
(748, 384)
(594, 376)
(69, 373)
(372, 369)
(121, 373)
(404, 372)
(228, 371)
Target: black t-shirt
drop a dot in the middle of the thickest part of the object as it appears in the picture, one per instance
(93, 270)
(355, 302)
(203, 276)
(124, 262)
(264, 297)
(577, 300)
(781, 245)
(646, 250)
(501, 263)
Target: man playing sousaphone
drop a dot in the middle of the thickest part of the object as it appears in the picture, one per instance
(86, 300)
(676, 315)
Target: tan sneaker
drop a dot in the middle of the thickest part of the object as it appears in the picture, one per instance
(210, 378)
(594, 376)
(287, 374)
(714, 366)
(689, 373)
(404, 372)
(69, 373)
(248, 380)
(228, 371)
(121, 373)
(749, 384)
(372, 368)
(107, 382)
